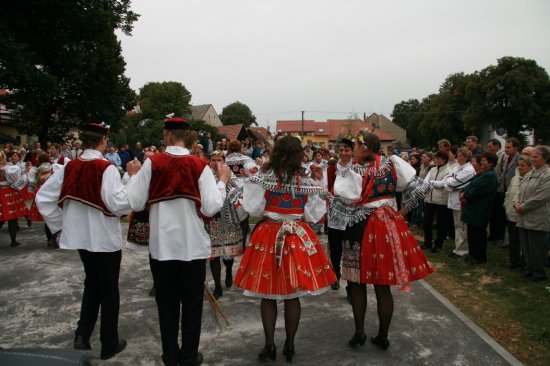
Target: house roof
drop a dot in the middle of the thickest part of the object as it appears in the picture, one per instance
(262, 131)
(198, 111)
(345, 127)
(231, 131)
(332, 128)
(318, 128)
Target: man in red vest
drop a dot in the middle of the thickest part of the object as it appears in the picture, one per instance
(84, 200)
(179, 189)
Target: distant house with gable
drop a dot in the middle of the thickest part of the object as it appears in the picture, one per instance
(329, 132)
(206, 113)
(233, 132)
(385, 124)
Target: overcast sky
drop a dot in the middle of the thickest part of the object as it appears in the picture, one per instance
(328, 58)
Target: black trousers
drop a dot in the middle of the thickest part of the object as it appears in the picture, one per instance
(180, 289)
(100, 290)
(335, 240)
(497, 223)
(477, 243)
(442, 216)
(516, 258)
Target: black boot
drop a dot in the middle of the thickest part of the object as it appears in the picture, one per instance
(228, 272)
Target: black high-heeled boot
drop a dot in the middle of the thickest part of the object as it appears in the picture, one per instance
(288, 351)
(269, 352)
(358, 339)
(380, 342)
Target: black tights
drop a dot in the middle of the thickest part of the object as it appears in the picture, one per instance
(12, 229)
(293, 310)
(216, 269)
(384, 305)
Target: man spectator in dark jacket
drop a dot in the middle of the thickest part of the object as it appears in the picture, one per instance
(138, 152)
(124, 156)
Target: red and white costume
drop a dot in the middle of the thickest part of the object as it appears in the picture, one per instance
(12, 205)
(284, 259)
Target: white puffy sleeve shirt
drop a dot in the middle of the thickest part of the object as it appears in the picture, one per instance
(84, 227)
(176, 230)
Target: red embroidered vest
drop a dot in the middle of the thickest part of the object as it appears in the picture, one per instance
(175, 176)
(82, 183)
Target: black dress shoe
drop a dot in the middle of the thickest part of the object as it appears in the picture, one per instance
(121, 346)
(269, 352)
(453, 255)
(15, 244)
(81, 343)
(335, 286)
(380, 342)
(218, 292)
(435, 250)
(358, 339)
(199, 361)
(288, 351)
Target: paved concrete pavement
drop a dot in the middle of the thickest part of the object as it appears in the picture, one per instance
(40, 293)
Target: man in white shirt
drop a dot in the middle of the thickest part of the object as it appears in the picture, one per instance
(178, 188)
(84, 200)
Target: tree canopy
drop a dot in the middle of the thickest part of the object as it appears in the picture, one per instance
(62, 63)
(237, 113)
(513, 95)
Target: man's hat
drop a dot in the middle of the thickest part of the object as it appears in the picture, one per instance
(175, 123)
(101, 128)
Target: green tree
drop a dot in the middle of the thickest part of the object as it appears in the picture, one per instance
(403, 112)
(62, 63)
(237, 113)
(514, 95)
(155, 100)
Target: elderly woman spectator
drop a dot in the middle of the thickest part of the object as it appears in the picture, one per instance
(532, 203)
(478, 200)
(426, 164)
(524, 166)
(458, 179)
(435, 204)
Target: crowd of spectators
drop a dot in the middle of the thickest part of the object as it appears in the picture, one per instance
(476, 197)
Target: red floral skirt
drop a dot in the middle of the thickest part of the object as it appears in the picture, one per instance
(12, 205)
(284, 260)
(389, 253)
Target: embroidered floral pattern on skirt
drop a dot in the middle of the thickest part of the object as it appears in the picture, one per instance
(226, 239)
(12, 205)
(303, 267)
(389, 253)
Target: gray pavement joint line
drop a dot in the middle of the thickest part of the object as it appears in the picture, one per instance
(480, 332)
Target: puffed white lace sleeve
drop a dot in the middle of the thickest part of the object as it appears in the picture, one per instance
(253, 200)
(315, 208)
(348, 184)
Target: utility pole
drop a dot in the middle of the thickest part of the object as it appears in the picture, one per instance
(302, 126)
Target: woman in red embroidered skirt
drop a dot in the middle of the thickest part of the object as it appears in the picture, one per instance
(12, 205)
(379, 248)
(283, 260)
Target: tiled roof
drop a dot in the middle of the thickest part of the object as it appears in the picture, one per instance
(231, 131)
(262, 131)
(332, 128)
